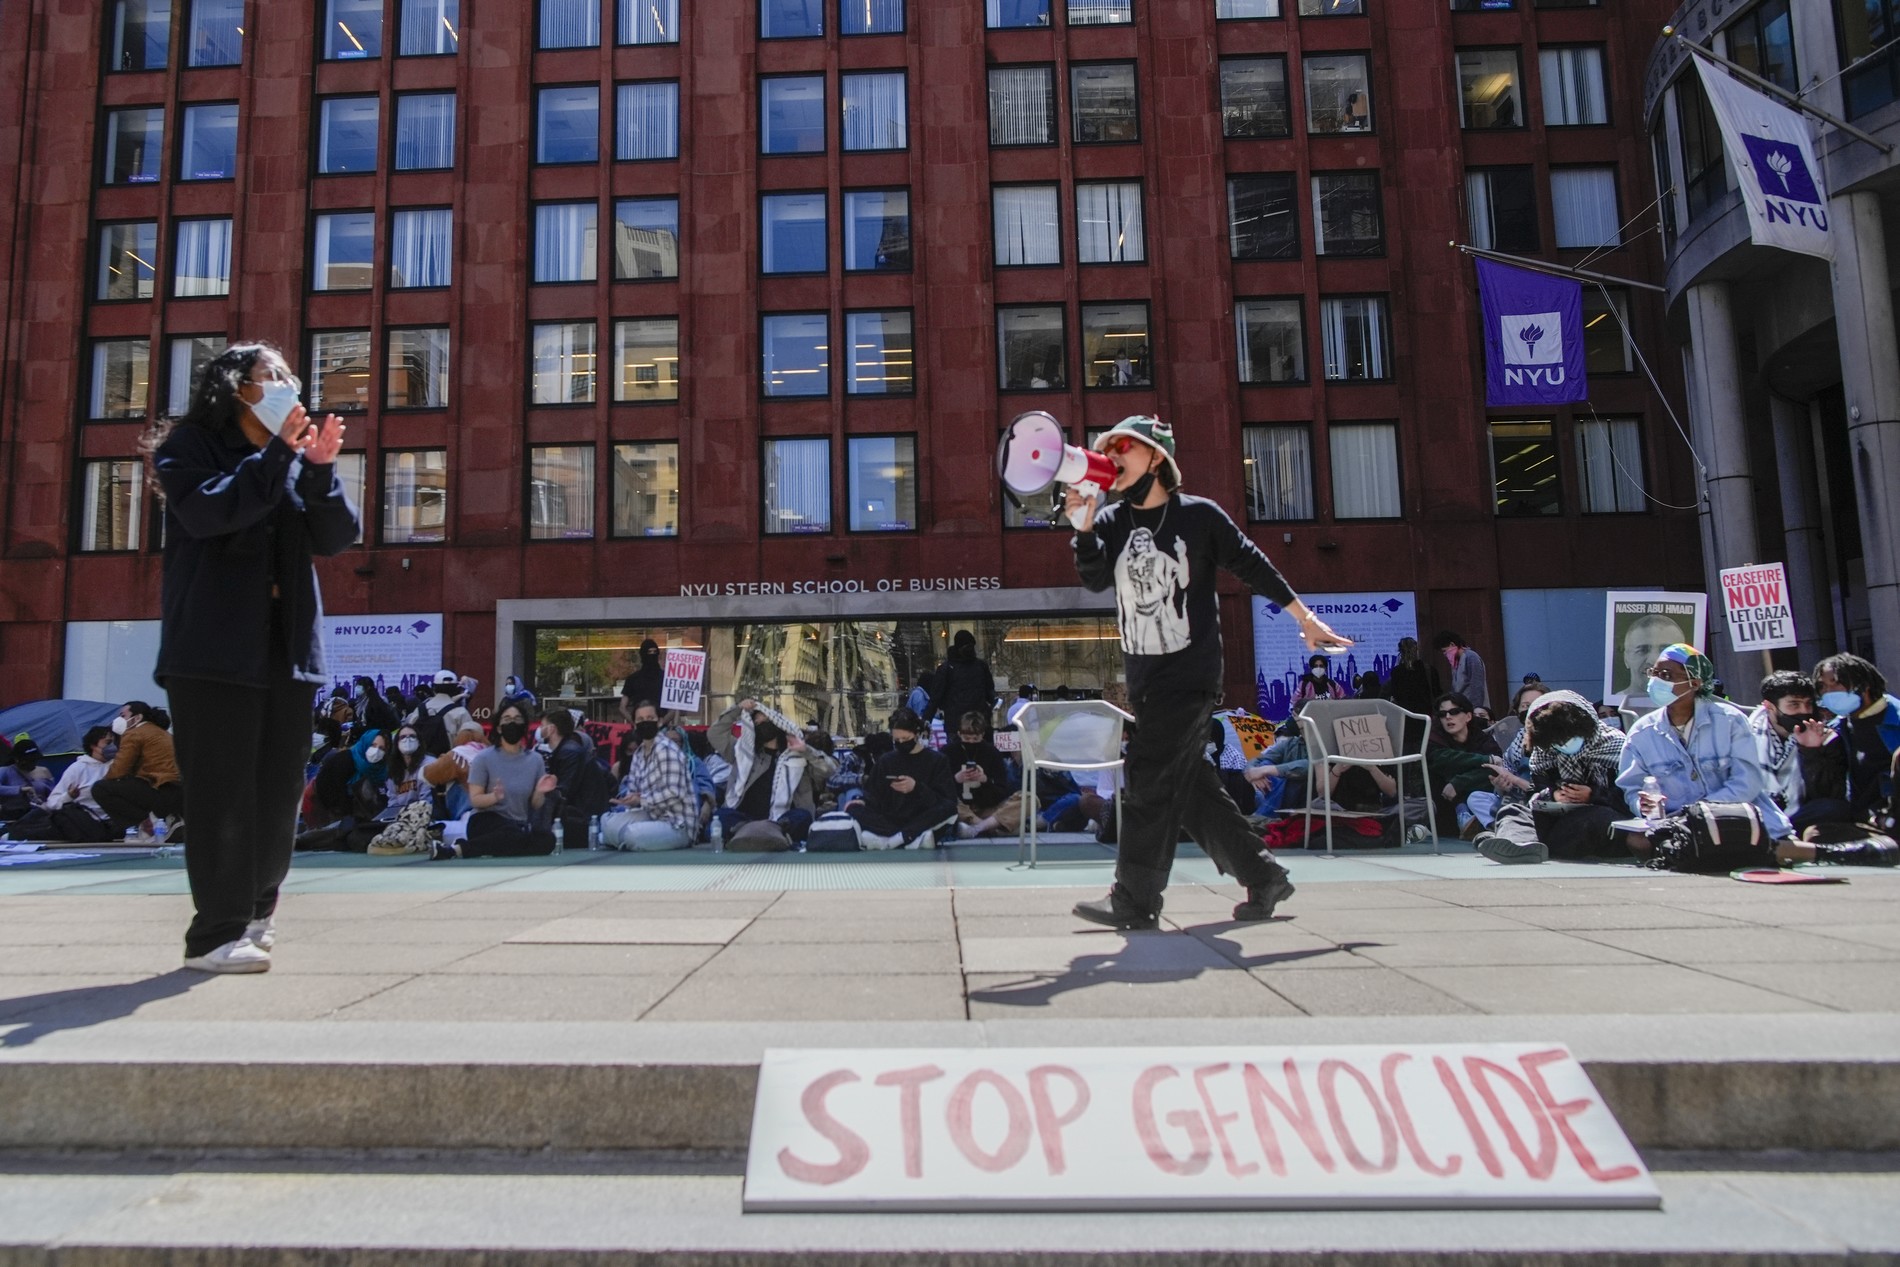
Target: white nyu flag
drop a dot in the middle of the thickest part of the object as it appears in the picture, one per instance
(1773, 158)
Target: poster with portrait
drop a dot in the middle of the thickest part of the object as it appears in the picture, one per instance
(1374, 621)
(1638, 625)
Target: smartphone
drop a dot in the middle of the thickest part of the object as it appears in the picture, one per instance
(892, 778)
(969, 765)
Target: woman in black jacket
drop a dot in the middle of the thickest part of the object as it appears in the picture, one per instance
(964, 684)
(251, 496)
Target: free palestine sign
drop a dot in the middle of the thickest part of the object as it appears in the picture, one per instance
(1465, 1125)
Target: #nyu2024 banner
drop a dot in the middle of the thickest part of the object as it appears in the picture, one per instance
(1533, 336)
(1773, 157)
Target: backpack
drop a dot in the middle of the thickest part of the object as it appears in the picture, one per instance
(431, 730)
(1711, 838)
(408, 834)
(835, 832)
(764, 836)
(594, 788)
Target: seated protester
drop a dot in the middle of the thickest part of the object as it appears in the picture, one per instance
(1368, 686)
(372, 708)
(339, 710)
(1698, 748)
(143, 779)
(1317, 682)
(846, 783)
(1787, 708)
(909, 793)
(448, 773)
(1850, 784)
(1025, 694)
(514, 691)
(351, 784)
(25, 781)
(705, 791)
(716, 767)
(441, 715)
(1458, 756)
(326, 739)
(1510, 784)
(988, 802)
(584, 785)
(70, 814)
(776, 775)
(1281, 771)
(405, 771)
(509, 790)
(657, 808)
(1574, 761)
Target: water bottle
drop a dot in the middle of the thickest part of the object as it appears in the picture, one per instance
(159, 830)
(1651, 788)
(170, 851)
(132, 835)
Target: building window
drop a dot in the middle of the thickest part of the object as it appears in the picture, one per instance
(796, 347)
(646, 238)
(1031, 349)
(1762, 40)
(1346, 214)
(647, 121)
(791, 19)
(792, 233)
(216, 36)
(1027, 225)
(1524, 469)
(417, 369)
(208, 144)
(126, 255)
(1253, 97)
(346, 135)
(1610, 466)
(1102, 103)
(1865, 31)
(797, 486)
(189, 356)
(121, 379)
(352, 29)
(339, 371)
(1573, 86)
(876, 231)
(1262, 223)
(421, 248)
(570, 23)
(1365, 470)
(1272, 339)
(563, 370)
(1023, 105)
(1501, 205)
(1489, 93)
(565, 242)
(567, 126)
(429, 28)
(560, 492)
(114, 510)
(1354, 339)
(883, 358)
(648, 22)
(1226, 9)
(1004, 14)
(1605, 350)
(792, 115)
(1704, 177)
(1100, 12)
(1665, 174)
(425, 132)
(881, 481)
(646, 360)
(1583, 204)
(352, 473)
(870, 17)
(202, 263)
(1331, 8)
(1108, 228)
(140, 35)
(1278, 465)
(646, 490)
(134, 142)
(875, 114)
(1338, 93)
(345, 246)
(1115, 347)
(415, 497)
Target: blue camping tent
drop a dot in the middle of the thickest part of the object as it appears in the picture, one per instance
(57, 725)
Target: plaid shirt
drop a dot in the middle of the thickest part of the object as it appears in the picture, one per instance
(658, 772)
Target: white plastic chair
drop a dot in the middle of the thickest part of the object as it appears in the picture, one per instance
(1316, 725)
(1069, 735)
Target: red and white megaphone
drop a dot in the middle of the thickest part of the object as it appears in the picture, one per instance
(1035, 456)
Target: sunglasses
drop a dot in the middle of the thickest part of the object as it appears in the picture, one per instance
(1120, 445)
(1456, 712)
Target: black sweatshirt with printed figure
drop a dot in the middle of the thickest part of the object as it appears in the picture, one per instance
(1162, 564)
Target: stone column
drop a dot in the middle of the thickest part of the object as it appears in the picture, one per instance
(1805, 542)
(1712, 370)
(1870, 379)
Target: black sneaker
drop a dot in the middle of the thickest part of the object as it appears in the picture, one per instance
(1261, 899)
(439, 852)
(1116, 913)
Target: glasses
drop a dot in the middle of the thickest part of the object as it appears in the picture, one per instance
(1119, 445)
(1455, 712)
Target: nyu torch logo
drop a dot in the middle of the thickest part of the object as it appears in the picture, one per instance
(1788, 191)
(1533, 349)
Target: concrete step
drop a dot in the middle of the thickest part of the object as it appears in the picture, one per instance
(1728, 1083)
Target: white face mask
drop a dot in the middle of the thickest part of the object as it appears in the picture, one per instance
(407, 746)
(373, 755)
(274, 406)
(118, 725)
(318, 739)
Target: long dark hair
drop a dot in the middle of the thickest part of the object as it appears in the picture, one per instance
(214, 401)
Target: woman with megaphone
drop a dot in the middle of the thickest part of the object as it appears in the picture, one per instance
(1160, 550)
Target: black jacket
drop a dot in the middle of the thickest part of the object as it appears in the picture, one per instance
(239, 521)
(983, 796)
(963, 686)
(933, 799)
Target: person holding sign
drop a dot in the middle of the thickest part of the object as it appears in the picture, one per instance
(1161, 551)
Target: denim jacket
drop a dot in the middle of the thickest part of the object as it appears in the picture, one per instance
(1719, 763)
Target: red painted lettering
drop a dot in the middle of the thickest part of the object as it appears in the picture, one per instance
(1329, 1071)
(1158, 1152)
(1389, 1074)
(1218, 1121)
(853, 1152)
(1533, 1064)
(1298, 1114)
(1482, 1072)
(1049, 1123)
(1479, 1139)
(910, 1111)
(962, 1133)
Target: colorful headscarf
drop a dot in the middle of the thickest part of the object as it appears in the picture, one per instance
(1695, 664)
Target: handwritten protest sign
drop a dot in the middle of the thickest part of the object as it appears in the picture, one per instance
(1364, 737)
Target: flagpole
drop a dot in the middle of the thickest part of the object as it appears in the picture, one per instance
(1559, 270)
(1776, 90)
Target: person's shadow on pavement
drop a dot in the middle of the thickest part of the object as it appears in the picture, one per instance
(28, 1018)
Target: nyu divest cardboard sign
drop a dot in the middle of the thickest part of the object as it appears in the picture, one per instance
(1352, 1127)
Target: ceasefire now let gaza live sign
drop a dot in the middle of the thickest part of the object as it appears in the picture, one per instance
(1465, 1125)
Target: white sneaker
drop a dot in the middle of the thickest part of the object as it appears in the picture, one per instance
(233, 956)
(262, 933)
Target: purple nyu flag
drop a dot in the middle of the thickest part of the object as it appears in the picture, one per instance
(1533, 336)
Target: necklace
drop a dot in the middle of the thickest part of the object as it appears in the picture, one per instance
(1156, 530)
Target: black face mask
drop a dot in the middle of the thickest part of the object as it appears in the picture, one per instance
(1789, 721)
(1139, 490)
(645, 730)
(765, 735)
(512, 731)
